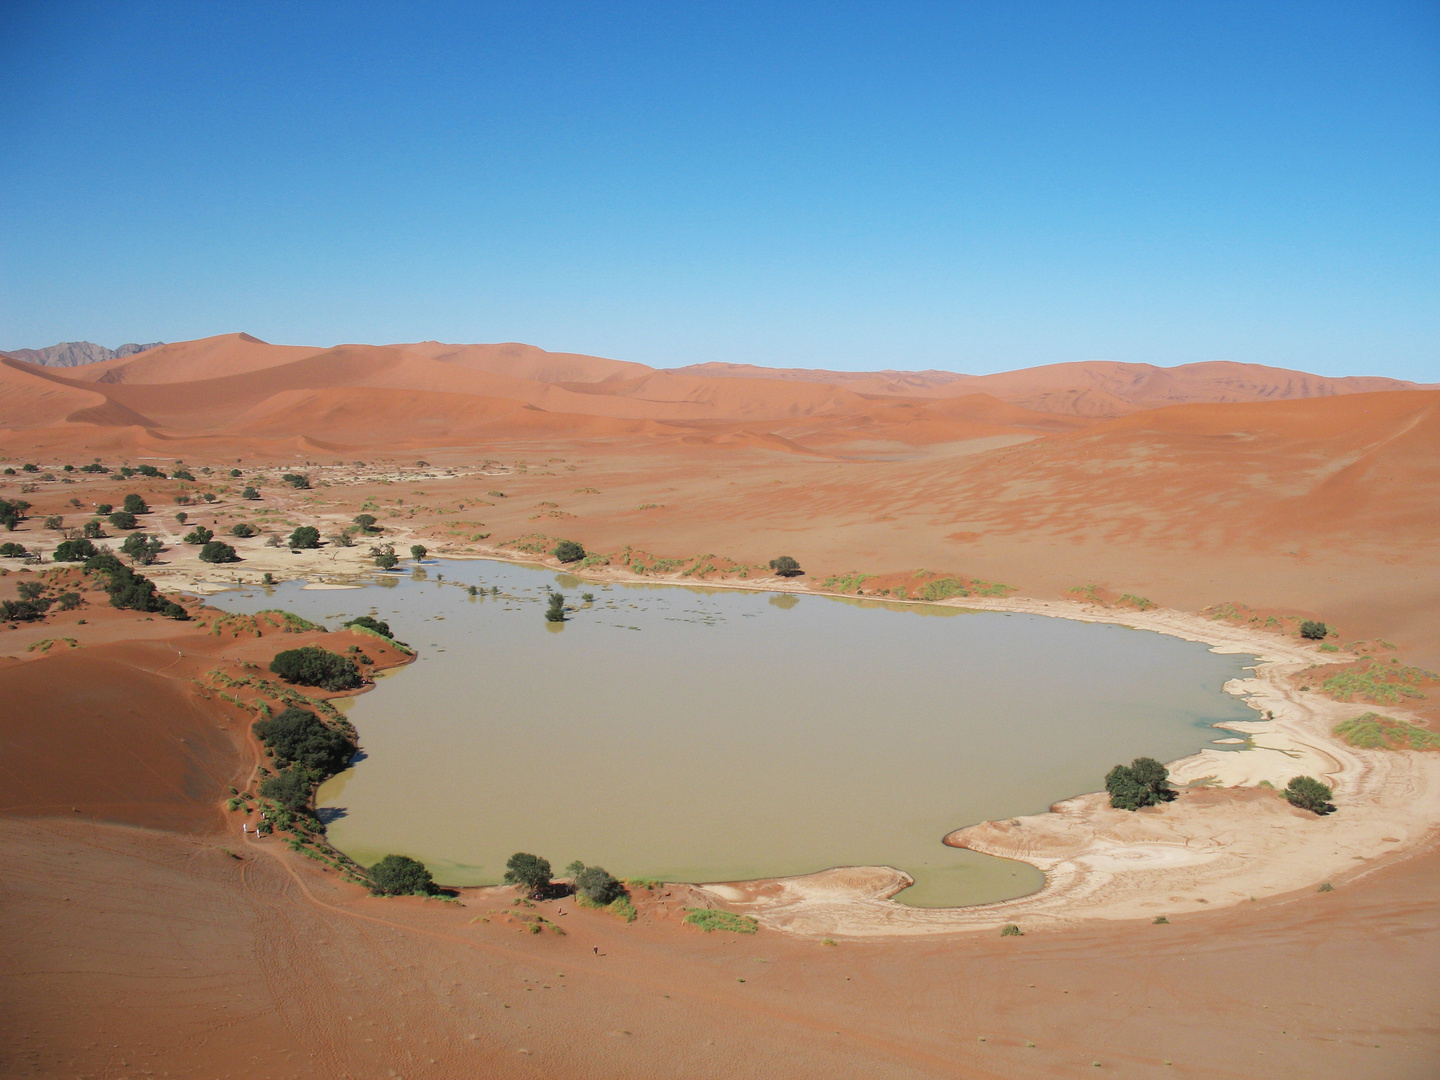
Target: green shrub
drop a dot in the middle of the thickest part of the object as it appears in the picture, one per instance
(244, 530)
(568, 551)
(290, 787)
(314, 666)
(296, 480)
(370, 623)
(366, 522)
(1371, 731)
(217, 551)
(1144, 782)
(1011, 930)
(300, 737)
(556, 611)
(1313, 631)
(23, 610)
(400, 875)
(785, 566)
(711, 919)
(250, 493)
(596, 884)
(306, 536)
(1309, 794)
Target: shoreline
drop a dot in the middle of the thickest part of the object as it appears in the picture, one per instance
(1225, 841)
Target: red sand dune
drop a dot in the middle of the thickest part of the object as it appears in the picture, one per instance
(239, 387)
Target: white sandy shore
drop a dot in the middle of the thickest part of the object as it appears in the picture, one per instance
(1209, 847)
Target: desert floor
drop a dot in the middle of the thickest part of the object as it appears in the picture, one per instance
(143, 936)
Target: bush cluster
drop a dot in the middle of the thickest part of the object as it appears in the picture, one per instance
(299, 737)
(129, 590)
(314, 666)
(1144, 782)
(595, 883)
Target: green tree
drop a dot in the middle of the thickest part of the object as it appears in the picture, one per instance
(1144, 782)
(568, 551)
(366, 522)
(244, 530)
(596, 884)
(217, 551)
(12, 512)
(314, 666)
(1309, 794)
(141, 548)
(291, 788)
(529, 872)
(400, 875)
(296, 480)
(556, 610)
(250, 493)
(123, 519)
(91, 530)
(306, 536)
(12, 550)
(199, 535)
(299, 737)
(54, 521)
(1313, 631)
(385, 557)
(75, 551)
(785, 566)
(134, 504)
(103, 508)
(418, 551)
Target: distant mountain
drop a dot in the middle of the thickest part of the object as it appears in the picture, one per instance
(78, 353)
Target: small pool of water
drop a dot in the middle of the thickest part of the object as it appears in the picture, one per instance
(696, 734)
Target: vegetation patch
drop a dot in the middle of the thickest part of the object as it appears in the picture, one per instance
(314, 666)
(1371, 731)
(1383, 684)
(711, 919)
(850, 582)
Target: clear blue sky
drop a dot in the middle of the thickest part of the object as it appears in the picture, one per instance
(968, 186)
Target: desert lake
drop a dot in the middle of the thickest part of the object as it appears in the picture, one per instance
(698, 734)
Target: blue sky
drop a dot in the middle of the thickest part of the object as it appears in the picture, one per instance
(966, 186)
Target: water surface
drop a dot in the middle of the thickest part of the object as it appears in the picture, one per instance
(713, 735)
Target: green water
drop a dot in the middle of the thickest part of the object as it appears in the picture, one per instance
(715, 735)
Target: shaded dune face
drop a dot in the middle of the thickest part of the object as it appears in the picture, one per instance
(98, 732)
(434, 394)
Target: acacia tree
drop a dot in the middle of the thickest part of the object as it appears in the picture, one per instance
(1309, 794)
(134, 504)
(142, 549)
(306, 536)
(568, 551)
(785, 566)
(400, 875)
(1311, 630)
(1144, 782)
(529, 872)
(556, 611)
